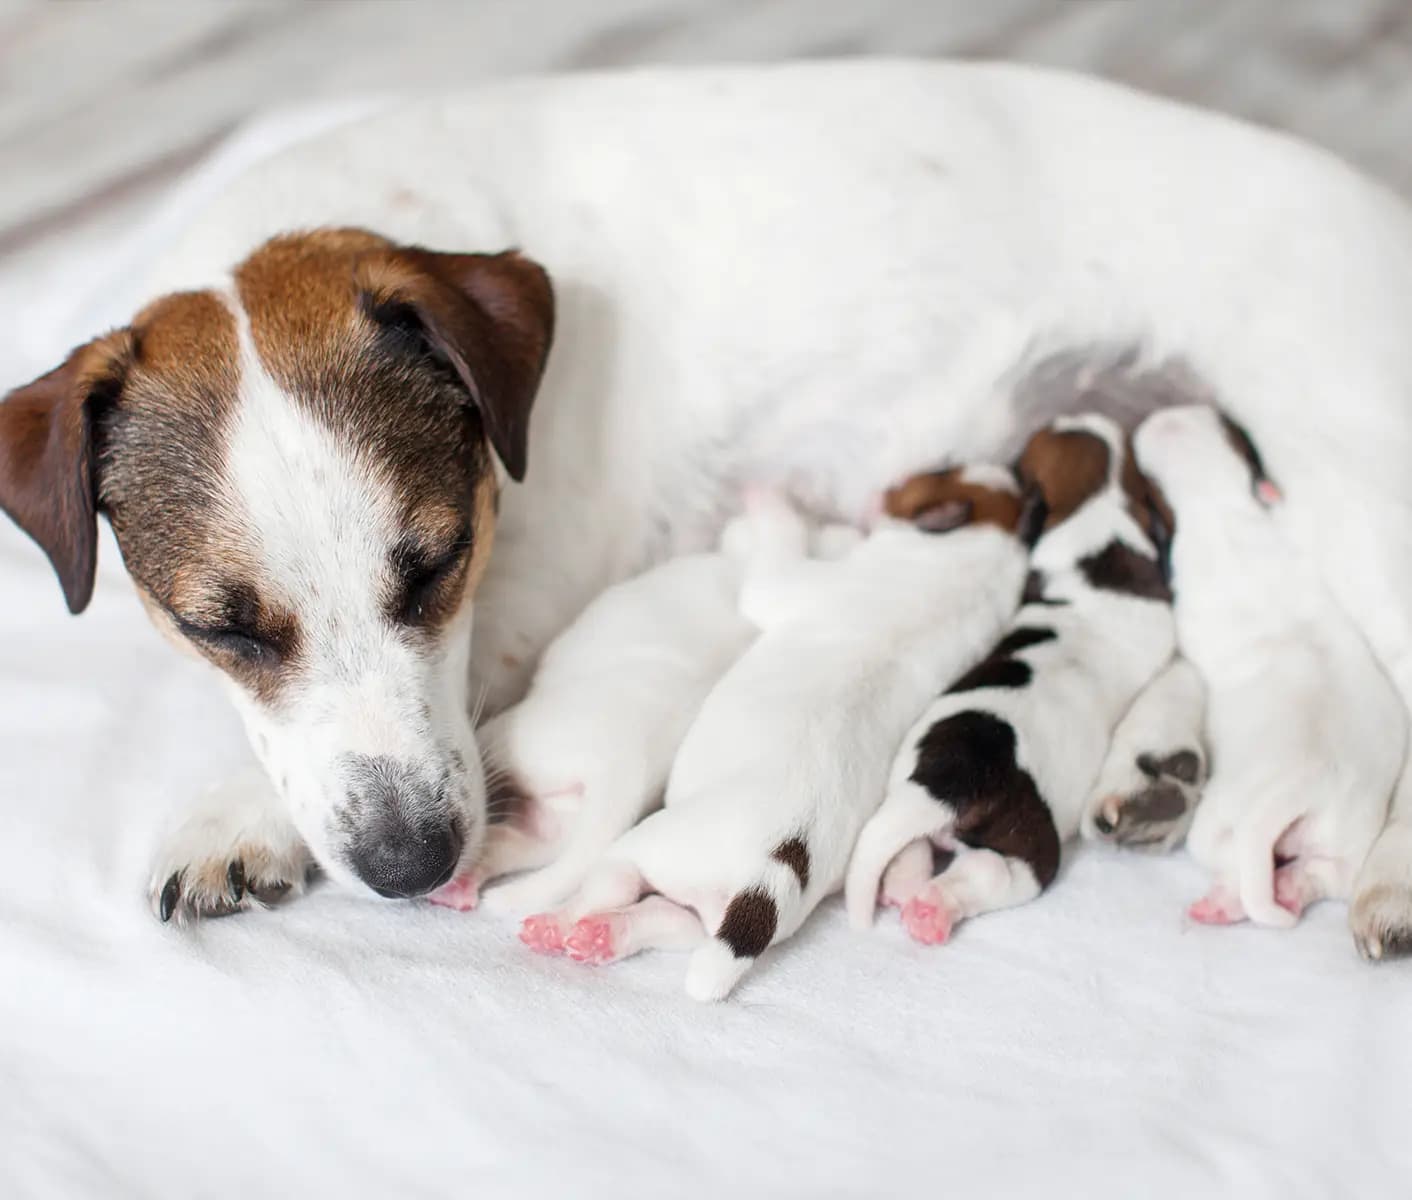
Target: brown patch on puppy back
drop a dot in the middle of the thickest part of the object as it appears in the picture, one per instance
(940, 492)
(1067, 466)
(794, 854)
(748, 926)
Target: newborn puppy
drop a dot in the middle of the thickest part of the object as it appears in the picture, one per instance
(790, 752)
(1306, 734)
(997, 771)
(587, 752)
(1151, 780)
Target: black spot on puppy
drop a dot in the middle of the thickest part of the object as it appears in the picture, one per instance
(1000, 669)
(967, 762)
(1182, 765)
(1119, 568)
(748, 925)
(993, 673)
(794, 854)
(1034, 591)
(1021, 638)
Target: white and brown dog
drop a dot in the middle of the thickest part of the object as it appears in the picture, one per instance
(1306, 733)
(789, 754)
(926, 262)
(997, 771)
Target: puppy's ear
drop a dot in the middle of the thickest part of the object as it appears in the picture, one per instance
(48, 475)
(491, 317)
(944, 517)
(1034, 512)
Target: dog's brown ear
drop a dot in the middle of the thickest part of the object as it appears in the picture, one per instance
(48, 477)
(491, 316)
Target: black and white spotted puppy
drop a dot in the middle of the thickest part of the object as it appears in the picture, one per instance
(998, 770)
(1306, 733)
(790, 752)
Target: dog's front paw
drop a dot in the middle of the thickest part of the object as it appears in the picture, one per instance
(1150, 807)
(1380, 917)
(236, 851)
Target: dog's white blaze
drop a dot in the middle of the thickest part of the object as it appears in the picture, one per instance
(321, 520)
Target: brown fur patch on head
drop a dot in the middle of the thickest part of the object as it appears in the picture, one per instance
(328, 304)
(1067, 466)
(949, 500)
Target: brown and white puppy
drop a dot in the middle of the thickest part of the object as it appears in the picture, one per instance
(298, 470)
(996, 771)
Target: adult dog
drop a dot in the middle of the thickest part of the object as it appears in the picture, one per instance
(823, 277)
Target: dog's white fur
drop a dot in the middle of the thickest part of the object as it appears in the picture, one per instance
(1165, 720)
(1109, 645)
(835, 274)
(794, 742)
(1306, 733)
(592, 743)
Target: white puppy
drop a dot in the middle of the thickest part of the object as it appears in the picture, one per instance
(1306, 733)
(1151, 780)
(586, 754)
(790, 752)
(997, 771)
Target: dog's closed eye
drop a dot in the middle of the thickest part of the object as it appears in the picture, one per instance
(245, 644)
(422, 578)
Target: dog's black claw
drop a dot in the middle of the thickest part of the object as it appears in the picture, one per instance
(171, 893)
(270, 893)
(235, 880)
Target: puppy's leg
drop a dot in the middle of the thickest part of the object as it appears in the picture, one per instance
(1148, 790)
(978, 881)
(1310, 878)
(653, 922)
(614, 884)
(907, 874)
(238, 849)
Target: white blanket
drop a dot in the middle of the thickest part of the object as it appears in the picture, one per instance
(1090, 1043)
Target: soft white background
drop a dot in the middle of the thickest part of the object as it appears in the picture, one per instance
(1092, 1042)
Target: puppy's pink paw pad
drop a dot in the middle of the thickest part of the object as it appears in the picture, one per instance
(1289, 895)
(1211, 910)
(462, 894)
(541, 933)
(926, 921)
(591, 941)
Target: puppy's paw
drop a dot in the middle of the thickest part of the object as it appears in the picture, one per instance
(235, 852)
(1380, 917)
(1150, 805)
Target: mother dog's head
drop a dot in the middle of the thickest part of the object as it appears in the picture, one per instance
(298, 470)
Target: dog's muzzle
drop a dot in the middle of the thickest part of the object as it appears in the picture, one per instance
(406, 837)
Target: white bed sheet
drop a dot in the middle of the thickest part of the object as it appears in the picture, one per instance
(1091, 1043)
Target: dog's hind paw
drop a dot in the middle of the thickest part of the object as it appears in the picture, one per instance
(236, 852)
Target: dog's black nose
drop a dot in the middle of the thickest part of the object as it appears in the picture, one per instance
(405, 842)
(397, 859)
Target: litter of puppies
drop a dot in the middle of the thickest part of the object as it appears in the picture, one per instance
(1110, 637)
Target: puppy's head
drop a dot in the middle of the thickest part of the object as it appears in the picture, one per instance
(1086, 459)
(299, 469)
(981, 494)
(1196, 455)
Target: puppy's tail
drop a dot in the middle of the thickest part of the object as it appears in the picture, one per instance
(757, 916)
(906, 815)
